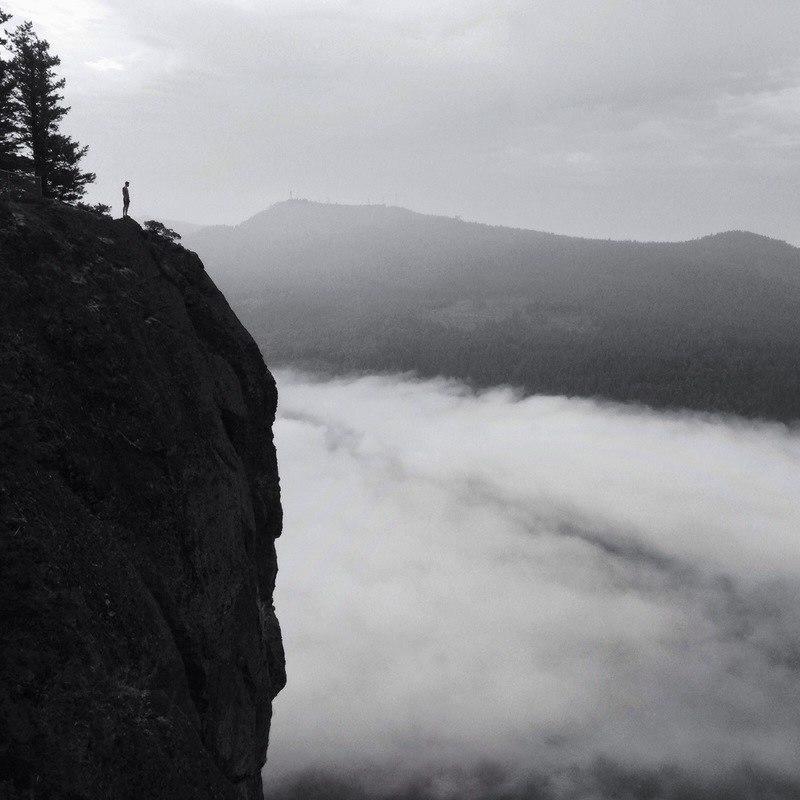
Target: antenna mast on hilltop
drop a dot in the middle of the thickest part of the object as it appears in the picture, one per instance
(291, 194)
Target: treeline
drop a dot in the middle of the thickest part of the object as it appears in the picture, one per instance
(31, 111)
(664, 364)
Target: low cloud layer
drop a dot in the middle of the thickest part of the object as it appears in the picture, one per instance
(488, 596)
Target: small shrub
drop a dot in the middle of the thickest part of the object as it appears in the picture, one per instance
(97, 208)
(161, 230)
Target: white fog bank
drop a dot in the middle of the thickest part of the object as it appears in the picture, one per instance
(543, 584)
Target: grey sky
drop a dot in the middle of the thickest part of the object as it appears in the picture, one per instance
(606, 118)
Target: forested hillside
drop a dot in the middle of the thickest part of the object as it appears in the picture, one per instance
(709, 324)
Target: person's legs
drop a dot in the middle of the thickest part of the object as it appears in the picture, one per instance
(125, 209)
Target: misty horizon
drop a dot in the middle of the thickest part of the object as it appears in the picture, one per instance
(189, 227)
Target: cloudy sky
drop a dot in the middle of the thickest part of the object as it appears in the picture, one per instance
(621, 118)
(496, 585)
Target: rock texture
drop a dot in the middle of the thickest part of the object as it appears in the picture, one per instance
(139, 497)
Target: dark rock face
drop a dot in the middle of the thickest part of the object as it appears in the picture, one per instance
(139, 499)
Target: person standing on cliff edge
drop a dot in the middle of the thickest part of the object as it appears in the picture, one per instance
(126, 199)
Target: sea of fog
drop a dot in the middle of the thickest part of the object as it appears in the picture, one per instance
(490, 596)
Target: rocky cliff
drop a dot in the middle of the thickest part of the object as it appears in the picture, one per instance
(139, 496)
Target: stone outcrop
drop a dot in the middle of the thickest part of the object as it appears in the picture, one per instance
(139, 500)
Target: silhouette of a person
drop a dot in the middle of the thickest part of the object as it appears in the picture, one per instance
(126, 199)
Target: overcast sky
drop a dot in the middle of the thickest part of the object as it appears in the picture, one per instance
(601, 117)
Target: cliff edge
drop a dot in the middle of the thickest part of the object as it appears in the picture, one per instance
(139, 502)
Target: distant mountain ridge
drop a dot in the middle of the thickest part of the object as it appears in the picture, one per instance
(709, 323)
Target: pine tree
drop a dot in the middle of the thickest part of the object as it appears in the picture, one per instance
(37, 98)
(66, 181)
(9, 143)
